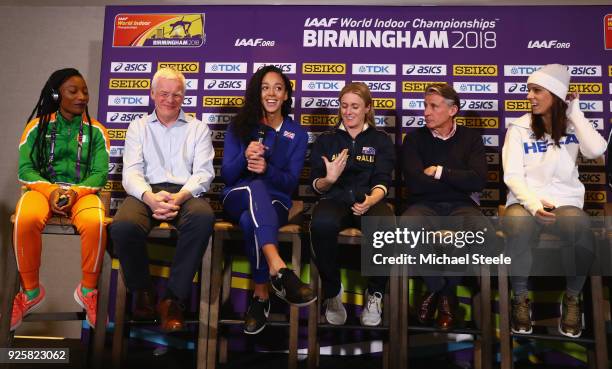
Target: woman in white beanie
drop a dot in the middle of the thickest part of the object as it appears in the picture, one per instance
(539, 160)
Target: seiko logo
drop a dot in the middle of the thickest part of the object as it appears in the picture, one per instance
(478, 122)
(380, 69)
(130, 67)
(224, 84)
(475, 70)
(586, 88)
(286, 68)
(424, 69)
(129, 83)
(385, 104)
(322, 85)
(226, 68)
(415, 86)
(323, 68)
(223, 101)
(128, 100)
(187, 67)
(318, 119)
(517, 105)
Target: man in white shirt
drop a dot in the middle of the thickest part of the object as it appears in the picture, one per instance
(167, 167)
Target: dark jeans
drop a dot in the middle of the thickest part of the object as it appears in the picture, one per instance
(473, 220)
(131, 226)
(328, 218)
(572, 225)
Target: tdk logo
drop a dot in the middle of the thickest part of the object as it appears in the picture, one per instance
(424, 69)
(131, 67)
(190, 101)
(320, 102)
(520, 70)
(217, 118)
(286, 68)
(413, 121)
(595, 106)
(322, 85)
(377, 69)
(128, 100)
(413, 104)
(384, 121)
(224, 84)
(380, 86)
(226, 68)
(122, 117)
(116, 151)
(253, 42)
(191, 84)
(516, 88)
(476, 87)
(584, 70)
(490, 140)
(483, 105)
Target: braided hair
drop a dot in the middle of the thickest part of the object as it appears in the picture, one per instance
(49, 103)
(252, 112)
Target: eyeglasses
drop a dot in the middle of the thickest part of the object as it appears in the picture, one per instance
(166, 95)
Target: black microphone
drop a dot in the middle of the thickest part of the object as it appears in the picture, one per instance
(261, 133)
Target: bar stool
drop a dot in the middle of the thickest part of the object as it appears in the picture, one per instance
(122, 321)
(482, 331)
(220, 281)
(60, 225)
(391, 303)
(597, 357)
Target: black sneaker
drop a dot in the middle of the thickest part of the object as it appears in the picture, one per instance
(290, 288)
(257, 316)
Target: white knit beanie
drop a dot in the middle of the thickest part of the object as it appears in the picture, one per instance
(553, 77)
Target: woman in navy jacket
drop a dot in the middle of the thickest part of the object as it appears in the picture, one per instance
(351, 170)
(263, 156)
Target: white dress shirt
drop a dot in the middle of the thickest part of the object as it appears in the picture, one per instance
(181, 154)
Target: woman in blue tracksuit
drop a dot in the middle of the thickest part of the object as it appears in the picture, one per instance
(263, 156)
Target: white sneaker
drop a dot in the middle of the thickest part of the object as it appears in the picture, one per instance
(371, 313)
(335, 313)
